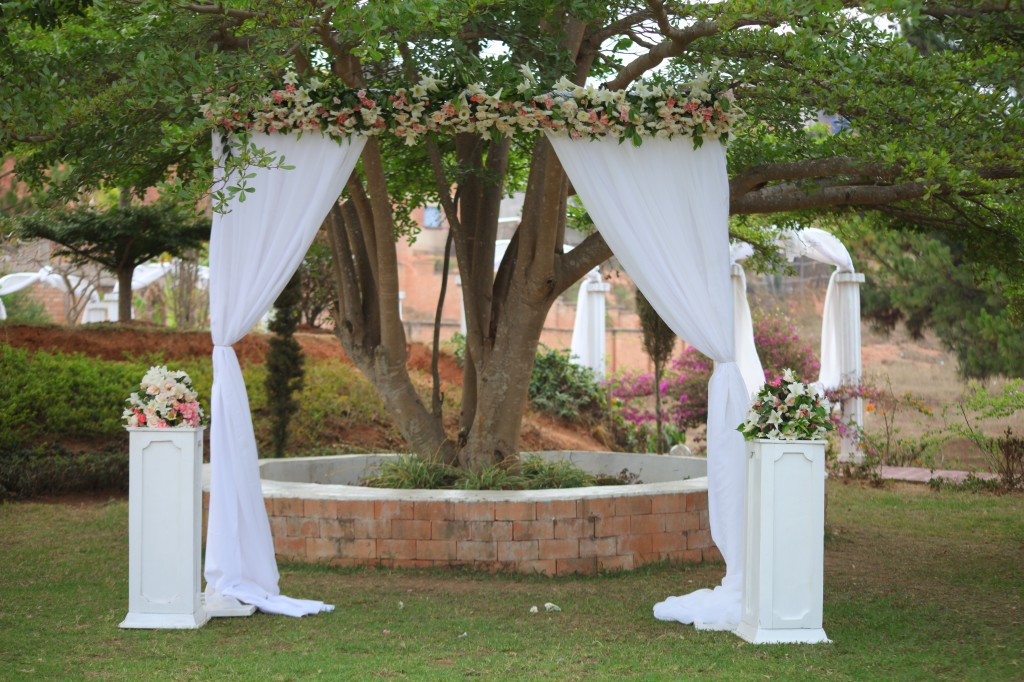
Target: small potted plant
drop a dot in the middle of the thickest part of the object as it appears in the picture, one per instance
(165, 424)
(785, 513)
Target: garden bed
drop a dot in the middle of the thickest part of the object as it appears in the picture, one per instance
(318, 513)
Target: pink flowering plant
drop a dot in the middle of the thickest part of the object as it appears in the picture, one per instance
(788, 409)
(166, 399)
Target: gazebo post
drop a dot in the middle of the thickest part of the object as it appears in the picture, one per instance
(848, 292)
(595, 332)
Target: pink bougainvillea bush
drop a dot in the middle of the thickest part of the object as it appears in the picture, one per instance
(684, 384)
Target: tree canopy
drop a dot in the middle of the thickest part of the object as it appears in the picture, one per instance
(119, 239)
(918, 106)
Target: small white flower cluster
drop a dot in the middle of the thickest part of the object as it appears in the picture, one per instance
(787, 409)
(569, 109)
(166, 399)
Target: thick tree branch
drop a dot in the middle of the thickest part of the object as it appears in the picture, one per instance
(970, 12)
(587, 255)
(224, 11)
(841, 180)
(755, 177)
(791, 197)
(26, 139)
(623, 25)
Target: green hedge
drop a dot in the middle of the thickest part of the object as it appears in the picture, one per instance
(47, 398)
(60, 415)
(54, 471)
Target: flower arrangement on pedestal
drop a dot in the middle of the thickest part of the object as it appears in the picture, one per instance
(166, 400)
(788, 409)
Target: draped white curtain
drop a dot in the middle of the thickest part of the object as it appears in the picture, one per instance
(586, 347)
(17, 281)
(826, 248)
(254, 250)
(746, 349)
(663, 208)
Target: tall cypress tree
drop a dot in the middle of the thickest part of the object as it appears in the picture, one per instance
(284, 363)
(659, 341)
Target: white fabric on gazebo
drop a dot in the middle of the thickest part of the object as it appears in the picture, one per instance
(746, 349)
(825, 248)
(17, 281)
(587, 347)
(149, 273)
(663, 208)
(840, 322)
(254, 250)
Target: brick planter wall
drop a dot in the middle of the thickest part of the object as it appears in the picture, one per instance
(318, 513)
(588, 530)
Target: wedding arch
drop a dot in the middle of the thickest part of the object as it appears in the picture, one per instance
(650, 167)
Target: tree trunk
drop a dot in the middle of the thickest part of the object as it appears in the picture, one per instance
(659, 434)
(501, 386)
(124, 294)
(376, 348)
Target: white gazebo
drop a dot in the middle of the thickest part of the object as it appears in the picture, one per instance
(651, 202)
(840, 325)
(17, 281)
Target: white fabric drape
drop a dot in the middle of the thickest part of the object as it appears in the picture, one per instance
(824, 247)
(663, 208)
(586, 348)
(746, 349)
(254, 250)
(17, 281)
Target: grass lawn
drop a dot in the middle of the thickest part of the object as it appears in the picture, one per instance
(919, 585)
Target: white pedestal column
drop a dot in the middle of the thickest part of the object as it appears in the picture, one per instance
(848, 292)
(784, 561)
(165, 528)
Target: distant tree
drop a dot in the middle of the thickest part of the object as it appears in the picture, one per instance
(925, 282)
(284, 364)
(659, 342)
(119, 239)
(189, 299)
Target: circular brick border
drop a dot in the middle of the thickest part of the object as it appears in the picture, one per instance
(553, 532)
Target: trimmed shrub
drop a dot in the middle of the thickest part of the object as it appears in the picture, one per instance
(48, 398)
(564, 389)
(23, 309)
(54, 471)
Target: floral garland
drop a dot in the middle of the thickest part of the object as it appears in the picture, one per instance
(410, 113)
(788, 409)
